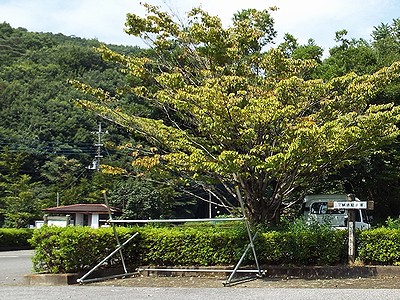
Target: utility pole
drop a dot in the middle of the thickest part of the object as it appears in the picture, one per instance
(97, 159)
(209, 205)
(98, 145)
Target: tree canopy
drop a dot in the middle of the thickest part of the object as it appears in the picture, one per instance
(238, 113)
(46, 143)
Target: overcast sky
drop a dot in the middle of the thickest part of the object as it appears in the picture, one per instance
(104, 19)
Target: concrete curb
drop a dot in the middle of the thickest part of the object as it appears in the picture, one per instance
(326, 272)
(51, 279)
(306, 272)
(303, 272)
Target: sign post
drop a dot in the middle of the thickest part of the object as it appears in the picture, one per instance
(351, 206)
(351, 226)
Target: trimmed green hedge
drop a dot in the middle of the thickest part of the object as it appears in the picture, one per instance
(380, 246)
(180, 246)
(15, 239)
(305, 247)
(74, 249)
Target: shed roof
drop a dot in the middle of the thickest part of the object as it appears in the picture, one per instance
(81, 208)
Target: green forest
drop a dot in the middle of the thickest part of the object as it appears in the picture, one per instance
(49, 142)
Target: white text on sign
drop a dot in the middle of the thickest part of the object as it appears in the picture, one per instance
(350, 205)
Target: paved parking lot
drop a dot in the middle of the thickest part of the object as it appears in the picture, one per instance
(89, 292)
(14, 265)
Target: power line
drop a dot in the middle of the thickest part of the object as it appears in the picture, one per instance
(45, 147)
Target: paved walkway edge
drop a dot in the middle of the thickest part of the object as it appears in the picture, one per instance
(306, 272)
(51, 279)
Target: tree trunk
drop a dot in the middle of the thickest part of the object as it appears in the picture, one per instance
(264, 211)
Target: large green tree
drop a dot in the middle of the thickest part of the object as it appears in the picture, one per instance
(238, 115)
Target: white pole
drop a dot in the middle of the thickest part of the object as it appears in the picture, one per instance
(209, 206)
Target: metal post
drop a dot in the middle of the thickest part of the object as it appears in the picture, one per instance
(115, 232)
(248, 230)
(235, 270)
(106, 258)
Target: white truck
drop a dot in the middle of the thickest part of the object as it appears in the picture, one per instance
(315, 207)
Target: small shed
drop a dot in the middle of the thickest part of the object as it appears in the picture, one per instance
(93, 215)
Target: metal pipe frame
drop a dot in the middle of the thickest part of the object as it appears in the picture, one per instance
(108, 277)
(82, 279)
(251, 238)
(178, 220)
(233, 272)
(236, 269)
(115, 233)
(196, 270)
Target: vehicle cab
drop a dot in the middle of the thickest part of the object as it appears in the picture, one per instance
(315, 207)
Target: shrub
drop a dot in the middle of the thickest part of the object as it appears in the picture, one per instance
(74, 249)
(392, 223)
(15, 239)
(380, 246)
(302, 243)
(181, 246)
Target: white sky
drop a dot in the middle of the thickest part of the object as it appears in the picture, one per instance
(104, 19)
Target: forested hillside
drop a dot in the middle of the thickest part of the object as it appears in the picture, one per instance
(47, 142)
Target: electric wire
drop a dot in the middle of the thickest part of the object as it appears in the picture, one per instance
(45, 147)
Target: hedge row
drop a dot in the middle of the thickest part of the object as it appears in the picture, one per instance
(380, 246)
(71, 249)
(15, 239)
(75, 249)
(319, 247)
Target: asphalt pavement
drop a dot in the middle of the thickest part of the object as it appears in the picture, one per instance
(14, 265)
(121, 293)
